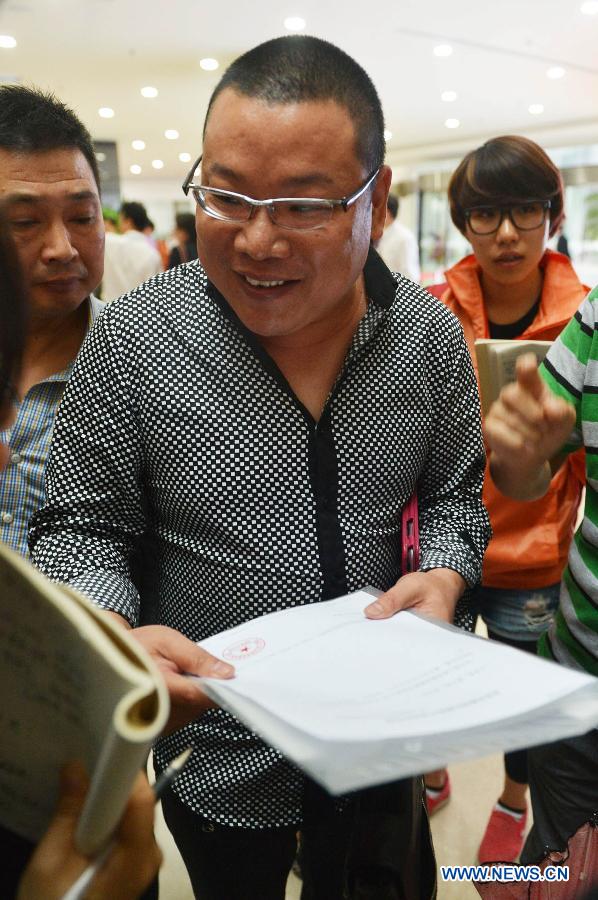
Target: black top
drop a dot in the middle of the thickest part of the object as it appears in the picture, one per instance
(256, 506)
(512, 330)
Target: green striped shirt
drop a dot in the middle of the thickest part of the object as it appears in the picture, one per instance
(571, 371)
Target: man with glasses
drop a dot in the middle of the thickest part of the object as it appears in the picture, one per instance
(277, 402)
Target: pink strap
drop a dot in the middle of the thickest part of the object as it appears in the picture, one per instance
(410, 536)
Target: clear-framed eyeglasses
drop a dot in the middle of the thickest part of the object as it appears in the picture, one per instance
(526, 216)
(294, 213)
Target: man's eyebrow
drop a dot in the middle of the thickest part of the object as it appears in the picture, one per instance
(293, 183)
(26, 197)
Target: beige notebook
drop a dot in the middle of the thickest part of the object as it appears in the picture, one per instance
(496, 364)
(73, 685)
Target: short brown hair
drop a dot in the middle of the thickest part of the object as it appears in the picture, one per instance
(508, 169)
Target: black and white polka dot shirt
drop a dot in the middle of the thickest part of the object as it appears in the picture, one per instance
(174, 408)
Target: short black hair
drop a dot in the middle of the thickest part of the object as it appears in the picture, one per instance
(392, 205)
(35, 121)
(12, 314)
(186, 222)
(506, 169)
(137, 213)
(300, 68)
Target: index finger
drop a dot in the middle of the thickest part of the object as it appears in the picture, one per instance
(528, 376)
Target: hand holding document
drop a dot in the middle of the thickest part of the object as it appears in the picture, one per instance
(356, 702)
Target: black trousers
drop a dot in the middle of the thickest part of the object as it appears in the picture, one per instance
(377, 848)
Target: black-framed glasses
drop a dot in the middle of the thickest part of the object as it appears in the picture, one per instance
(295, 213)
(525, 216)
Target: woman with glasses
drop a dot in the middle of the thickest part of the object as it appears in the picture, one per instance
(55, 864)
(506, 198)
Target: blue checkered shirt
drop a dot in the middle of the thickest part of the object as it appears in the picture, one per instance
(22, 489)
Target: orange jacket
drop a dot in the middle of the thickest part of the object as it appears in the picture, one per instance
(530, 540)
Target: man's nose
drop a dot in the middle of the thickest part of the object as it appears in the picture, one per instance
(506, 230)
(260, 238)
(57, 246)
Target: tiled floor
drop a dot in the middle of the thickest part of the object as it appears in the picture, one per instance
(457, 831)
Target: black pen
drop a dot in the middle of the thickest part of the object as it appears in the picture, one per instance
(171, 773)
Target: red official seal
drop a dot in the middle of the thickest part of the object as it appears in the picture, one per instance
(243, 649)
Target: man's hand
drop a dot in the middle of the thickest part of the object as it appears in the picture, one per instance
(177, 657)
(525, 429)
(133, 861)
(434, 593)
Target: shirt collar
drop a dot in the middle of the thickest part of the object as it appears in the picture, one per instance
(380, 288)
(380, 285)
(94, 308)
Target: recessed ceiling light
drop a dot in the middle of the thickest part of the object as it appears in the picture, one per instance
(443, 50)
(157, 164)
(555, 72)
(535, 109)
(185, 157)
(294, 23)
(452, 123)
(387, 135)
(105, 112)
(135, 169)
(7, 42)
(101, 157)
(589, 8)
(149, 91)
(171, 134)
(208, 64)
(138, 145)
(448, 96)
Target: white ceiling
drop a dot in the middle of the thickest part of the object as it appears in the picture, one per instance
(95, 53)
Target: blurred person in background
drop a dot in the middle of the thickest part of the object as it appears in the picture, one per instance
(562, 244)
(398, 245)
(110, 217)
(506, 198)
(159, 244)
(186, 242)
(130, 258)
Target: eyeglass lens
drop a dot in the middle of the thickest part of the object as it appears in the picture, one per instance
(287, 213)
(526, 217)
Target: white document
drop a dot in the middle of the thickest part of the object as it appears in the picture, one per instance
(355, 702)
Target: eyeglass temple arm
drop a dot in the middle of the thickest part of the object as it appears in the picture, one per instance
(346, 202)
(190, 175)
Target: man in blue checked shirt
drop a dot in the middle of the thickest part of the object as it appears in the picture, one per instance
(49, 184)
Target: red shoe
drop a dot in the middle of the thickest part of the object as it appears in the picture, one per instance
(438, 799)
(503, 838)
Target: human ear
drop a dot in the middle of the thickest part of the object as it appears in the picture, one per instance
(379, 197)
